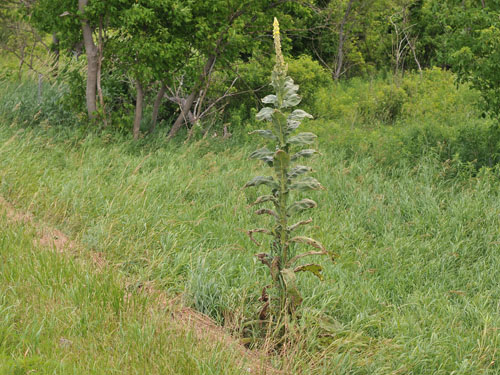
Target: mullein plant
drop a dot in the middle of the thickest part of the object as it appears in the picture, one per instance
(288, 148)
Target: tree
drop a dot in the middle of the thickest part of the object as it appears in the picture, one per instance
(222, 30)
(150, 46)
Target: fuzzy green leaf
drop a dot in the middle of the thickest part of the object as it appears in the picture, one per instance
(265, 113)
(301, 205)
(270, 99)
(298, 170)
(315, 269)
(303, 138)
(290, 88)
(264, 151)
(262, 180)
(307, 183)
(307, 153)
(265, 134)
(263, 154)
(299, 114)
(291, 101)
(292, 125)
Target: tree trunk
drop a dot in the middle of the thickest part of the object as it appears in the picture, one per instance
(342, 36)
(92, 61)
(138, 109)
(156, 108)
(186, 107)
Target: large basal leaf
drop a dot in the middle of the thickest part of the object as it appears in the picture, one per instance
(315, 269)
(307, 183)
(301, 205)
(303, 139)
(262, 180)
(265, 134)
(308, 241)
(298, 170)
(307, 153)
(265, 113)
(299, 114)
(281, 163)
(292, 293)
(270, 99)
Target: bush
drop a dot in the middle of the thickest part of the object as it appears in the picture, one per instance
(254, 74)
(401, 123)
(361, 103)
(310, 76)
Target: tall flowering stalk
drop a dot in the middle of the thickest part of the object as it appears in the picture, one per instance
(287, 177)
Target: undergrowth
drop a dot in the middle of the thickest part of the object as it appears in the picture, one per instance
(411, 209)
(418, 261)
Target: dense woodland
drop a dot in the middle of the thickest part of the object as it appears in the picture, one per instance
(146, 228)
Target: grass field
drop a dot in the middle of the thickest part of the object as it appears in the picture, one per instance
(414, 289)
(58, 315)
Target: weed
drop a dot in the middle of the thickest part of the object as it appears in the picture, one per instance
(283, 296)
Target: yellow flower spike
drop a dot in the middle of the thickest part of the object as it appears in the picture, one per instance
(280, 62)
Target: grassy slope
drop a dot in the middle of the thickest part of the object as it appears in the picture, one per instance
(415, 287)
(58, 316)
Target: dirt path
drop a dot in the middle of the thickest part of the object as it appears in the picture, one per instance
(186, 318)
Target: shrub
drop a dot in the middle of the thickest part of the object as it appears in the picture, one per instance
(310, 76)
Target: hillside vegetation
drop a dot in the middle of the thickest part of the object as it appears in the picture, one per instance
(129, 132)
(414, 288)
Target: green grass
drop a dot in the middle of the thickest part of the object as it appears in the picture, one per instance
(59, 316)
(414, 289)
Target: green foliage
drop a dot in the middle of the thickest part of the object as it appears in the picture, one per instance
(464, 36)
(284, 296)
(400, 121)
(310, 76)
(363, 103)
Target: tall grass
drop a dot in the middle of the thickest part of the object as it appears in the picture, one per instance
(58, 316)
(415, 287)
